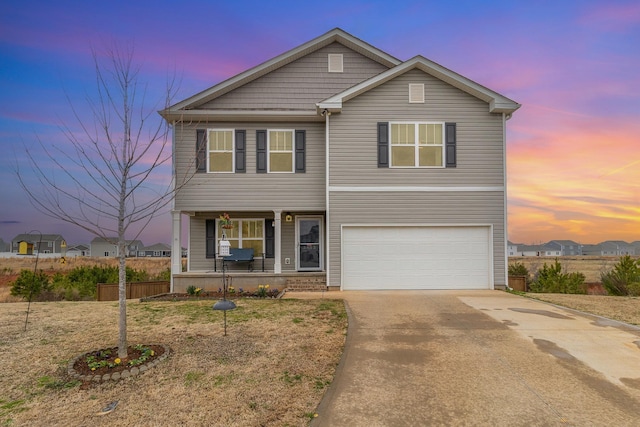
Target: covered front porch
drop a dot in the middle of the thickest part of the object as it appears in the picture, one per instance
(287, 249)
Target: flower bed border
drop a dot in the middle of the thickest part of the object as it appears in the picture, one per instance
(116, 376)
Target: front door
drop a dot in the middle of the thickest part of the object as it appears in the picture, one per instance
(309, 236)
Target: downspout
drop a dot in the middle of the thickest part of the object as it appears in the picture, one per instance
(326, 115)
(505, 117)
(173, 206)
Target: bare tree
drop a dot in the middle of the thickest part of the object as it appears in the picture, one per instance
(102, 180)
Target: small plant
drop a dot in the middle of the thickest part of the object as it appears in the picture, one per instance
(193, 291)
(551, 279)
(263, 291)
(624, 278)
(104, 358)
(225, 221)
(232, 290)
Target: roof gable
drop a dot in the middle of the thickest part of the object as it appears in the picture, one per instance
(333, 36)
(497, 103)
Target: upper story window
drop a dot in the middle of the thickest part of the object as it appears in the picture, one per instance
(417, 144)
(280, 145)
(220, 148)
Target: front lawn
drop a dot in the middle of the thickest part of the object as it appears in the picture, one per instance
(271, 369)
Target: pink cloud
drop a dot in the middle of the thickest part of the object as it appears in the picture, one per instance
(609, 16)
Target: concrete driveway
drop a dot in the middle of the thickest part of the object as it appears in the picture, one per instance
(422, 358)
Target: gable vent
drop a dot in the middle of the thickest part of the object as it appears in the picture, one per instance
(335, 63)
(416, 93)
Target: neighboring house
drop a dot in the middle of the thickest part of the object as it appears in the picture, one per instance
(4, 247)
(78, 250)
(512, 249)
(531, 250)
(28, 243)
(610, 248)
(157, 250)
(108, 247)
(337, 159)
(564, 247)
(636, 246)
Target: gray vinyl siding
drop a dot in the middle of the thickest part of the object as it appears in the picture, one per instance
(421, 208)
(300, 84)
(353, 135)
(250, 190)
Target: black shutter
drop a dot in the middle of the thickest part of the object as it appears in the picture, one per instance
(261, 151)
(450, 144)
(210, 238)
(300, 149)
(383, 144)
(201, 150)
(241, 151)
(269, 239)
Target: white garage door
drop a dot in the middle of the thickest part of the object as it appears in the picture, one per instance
(417, 257)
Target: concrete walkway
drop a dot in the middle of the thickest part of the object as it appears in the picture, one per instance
(423, 358)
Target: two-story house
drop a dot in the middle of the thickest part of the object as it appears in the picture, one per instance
(338, 160)
(31, 243)
(101, 247)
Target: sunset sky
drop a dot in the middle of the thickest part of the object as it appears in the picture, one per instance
(573, 148)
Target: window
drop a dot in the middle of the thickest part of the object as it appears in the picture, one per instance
(220, 148)
(417, 145)
(280, 145)
(246, 233)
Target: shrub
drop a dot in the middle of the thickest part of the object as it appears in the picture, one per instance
(624, 278)
(552, 279)
(30, 285)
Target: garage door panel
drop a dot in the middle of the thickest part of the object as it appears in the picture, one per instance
(416, 257)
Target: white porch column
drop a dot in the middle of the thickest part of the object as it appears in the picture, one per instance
(277, 233)
(176, 244)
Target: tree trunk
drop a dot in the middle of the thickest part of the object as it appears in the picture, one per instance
(122, 299)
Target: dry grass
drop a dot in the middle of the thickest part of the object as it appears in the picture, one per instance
(624, 309)
(271, 369)
(590, 266)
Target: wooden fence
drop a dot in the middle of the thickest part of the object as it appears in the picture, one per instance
(518, 283)
(109, 291)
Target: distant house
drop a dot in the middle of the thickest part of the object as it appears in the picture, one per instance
(564, 247)
(78, 250)
(157, 250)
(107, 248)
(531, 250)
(636, 246)
(4, 246)
(27, 244)
(610, 248)
(512, 249)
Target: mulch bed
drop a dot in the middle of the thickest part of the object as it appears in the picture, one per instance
(205, 296)
(79, 367)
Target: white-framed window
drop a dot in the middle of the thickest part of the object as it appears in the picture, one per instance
(416, 144)
(246, 233)
(220, 148)
(280, 151)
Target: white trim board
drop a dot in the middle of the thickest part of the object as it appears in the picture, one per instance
(404, 189)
